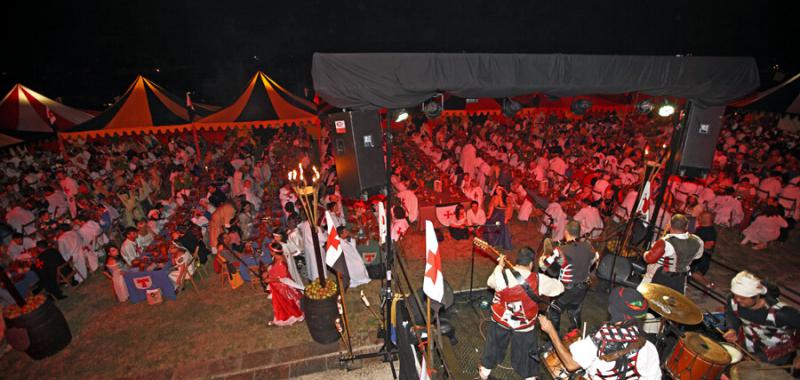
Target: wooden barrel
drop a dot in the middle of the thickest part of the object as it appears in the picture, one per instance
(320, 316)
(47, 329)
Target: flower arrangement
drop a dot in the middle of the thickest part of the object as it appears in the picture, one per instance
(315, 292)
(33, 303)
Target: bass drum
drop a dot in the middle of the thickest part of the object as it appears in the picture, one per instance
(697, 357)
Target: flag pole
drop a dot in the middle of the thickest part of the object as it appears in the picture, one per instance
(344, 312)
(428, 321)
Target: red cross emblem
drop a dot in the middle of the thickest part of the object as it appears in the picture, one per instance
(144, 282)
(448, 214)
(436, 264)
(333, 240)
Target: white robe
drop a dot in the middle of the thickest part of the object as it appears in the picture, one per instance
(590, 220)
(765, 229)
(291, 266)
(468, 154)
(308, 249)
(727, 210)
(355, 265)
(71, 245)
(556, 216)
(399, 227)
(410, 203)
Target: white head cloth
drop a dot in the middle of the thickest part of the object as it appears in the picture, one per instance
(746, 284)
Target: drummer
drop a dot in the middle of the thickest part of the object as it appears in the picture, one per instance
(769, 328)
(618, 349)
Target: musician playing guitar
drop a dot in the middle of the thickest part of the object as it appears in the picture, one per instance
(574, 259)
(618, 350)
(514, 310)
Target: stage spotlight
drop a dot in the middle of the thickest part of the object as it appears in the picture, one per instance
(511, 107)
(433, 108)
(400, 115)
(666, 110)
(580, 106)
(645, 106)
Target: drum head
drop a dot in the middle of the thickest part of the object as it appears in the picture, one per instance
(706, 348)
(750, 370)
(736, 355)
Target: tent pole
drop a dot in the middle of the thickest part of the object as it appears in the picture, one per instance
(62, 147)
(197, 144)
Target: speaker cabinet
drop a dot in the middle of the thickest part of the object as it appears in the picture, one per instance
(700, 141)
(357, 141)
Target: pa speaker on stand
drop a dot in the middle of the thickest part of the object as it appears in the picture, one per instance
(358, 150)
(696, 155)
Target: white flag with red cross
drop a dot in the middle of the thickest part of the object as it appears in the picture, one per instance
(381, 223)
(644, 202)
(433, 283)
(333, 246)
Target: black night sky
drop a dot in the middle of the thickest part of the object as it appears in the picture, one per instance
(88, 52)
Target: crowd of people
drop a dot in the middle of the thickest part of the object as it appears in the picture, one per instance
(104, 205)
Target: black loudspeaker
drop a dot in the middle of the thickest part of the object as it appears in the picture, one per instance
(700, 140)
(358, 150)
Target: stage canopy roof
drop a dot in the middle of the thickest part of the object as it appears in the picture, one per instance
(6, 140)
(144, 106)
(25, 113)
(368, 81)
(264, 103)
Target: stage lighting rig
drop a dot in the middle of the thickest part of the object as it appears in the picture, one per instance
(511, 107)
(580, 106)
(645, 106)
(666, 109)
(400, 115)
(434, 107)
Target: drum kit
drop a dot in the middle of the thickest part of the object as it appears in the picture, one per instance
(686, 355)
(695, 355)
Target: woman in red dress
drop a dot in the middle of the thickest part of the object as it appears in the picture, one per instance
(285, 292)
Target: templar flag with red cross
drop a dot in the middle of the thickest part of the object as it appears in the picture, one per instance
(381, 223)
(644, 204)
(334, 255)
(433, 283)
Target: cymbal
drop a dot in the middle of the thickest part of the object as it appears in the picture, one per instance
(671, 304)
(750, 370)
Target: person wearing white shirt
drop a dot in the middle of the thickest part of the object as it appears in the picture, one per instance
(18, 245)
(129, 249)
(70, 188)
(514, 315)
(475, 215)
(772, 185)
(590, 220)
(674, 254)
(72, 246)
(57, 204)
(19, 218)
(355, 265)
(410, 202)
(637, 358)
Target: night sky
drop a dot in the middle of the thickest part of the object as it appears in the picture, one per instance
(88, 53)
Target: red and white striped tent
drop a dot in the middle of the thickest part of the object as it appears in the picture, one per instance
(24, 112)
